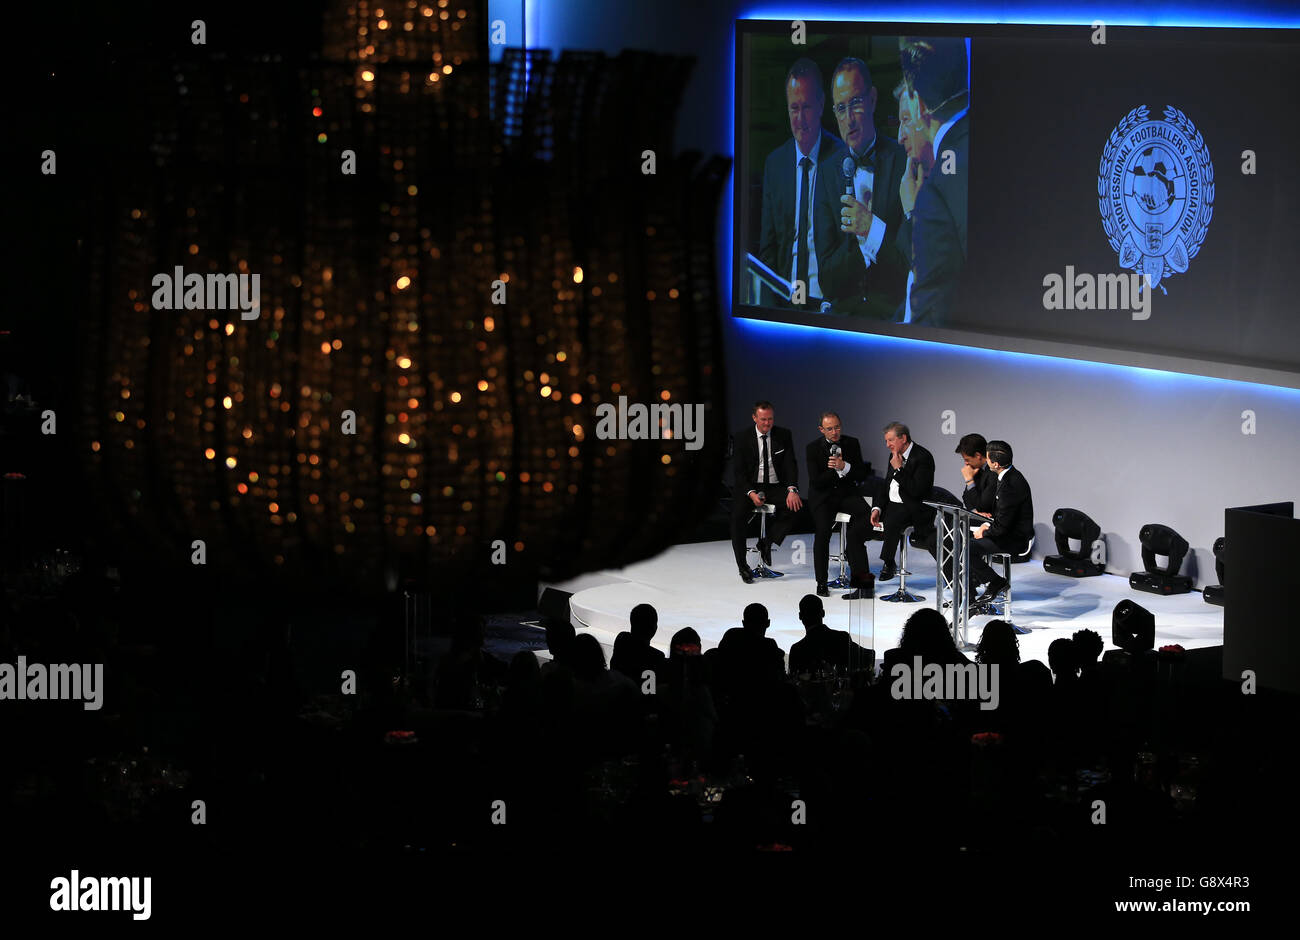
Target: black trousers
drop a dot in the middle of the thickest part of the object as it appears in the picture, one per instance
(897, 517)
(742, 507)
(980, 570)
(824, 523)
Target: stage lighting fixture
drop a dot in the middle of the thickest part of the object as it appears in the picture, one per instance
(1132, 628)
(1072, 524)
(1161, 540)
(1213, 593)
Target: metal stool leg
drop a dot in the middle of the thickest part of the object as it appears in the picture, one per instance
(1006, 573)
(761, 570)
(843, 580)
(990, 606)
(902, 595)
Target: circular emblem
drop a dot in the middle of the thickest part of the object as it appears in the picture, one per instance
(1155, 190)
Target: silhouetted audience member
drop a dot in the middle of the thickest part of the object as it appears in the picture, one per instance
(523, 693)
(749, 662)
(633, 654)
(466, 671)
(688, 713)
(823, 648)
(1093, 694)
(1063, 660)
(926, 634)
(559, 641)
(1088, 647)
(603, 701)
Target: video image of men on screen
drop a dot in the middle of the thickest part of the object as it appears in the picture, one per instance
(935, 103)
(837, 222)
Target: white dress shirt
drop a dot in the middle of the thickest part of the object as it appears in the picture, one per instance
(894, 495)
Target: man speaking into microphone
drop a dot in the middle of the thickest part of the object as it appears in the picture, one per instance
(835, 468)
(865, 268)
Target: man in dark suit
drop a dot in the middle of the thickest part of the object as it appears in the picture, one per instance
(901, 501)
(981, 482)
(864, 270)
(823, 647)
(1012, 527)
(765, 470)
(935, 70)
(835, 468)
(788, 242)
(747, 660)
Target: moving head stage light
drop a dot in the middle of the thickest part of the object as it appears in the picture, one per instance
(1132, 628)
(1161, 540)
(1213, 593)
(1072, 524)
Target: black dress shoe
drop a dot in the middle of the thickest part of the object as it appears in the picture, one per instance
(746, 576)
(857, 595)
(823, 591)
(887, 572)
(765, 551)
(994, 588)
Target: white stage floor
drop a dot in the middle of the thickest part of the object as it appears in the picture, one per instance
(697, 586)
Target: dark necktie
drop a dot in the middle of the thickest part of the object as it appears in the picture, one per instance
(762, 472)
(801, 227)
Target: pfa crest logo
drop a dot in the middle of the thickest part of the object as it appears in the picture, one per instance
(1155, 190)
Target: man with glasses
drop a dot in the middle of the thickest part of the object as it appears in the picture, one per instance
(788, 244)
(835, 468)
(865, 270)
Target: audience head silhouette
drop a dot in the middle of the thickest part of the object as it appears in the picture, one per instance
(811, 612)
(645, 622)
(998, 644)
(686, 642)
(1063, 659)
(559, 638)
(926, 635)
(587, 658)
(755, 619)
(1088, 646)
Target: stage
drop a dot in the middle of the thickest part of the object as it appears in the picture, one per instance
(697, 586)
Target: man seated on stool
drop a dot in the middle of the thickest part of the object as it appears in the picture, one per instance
(765, 471)
(907, 486)
(1012, 527)
(835, 467)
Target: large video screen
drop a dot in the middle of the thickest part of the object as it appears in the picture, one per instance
(1122, 195)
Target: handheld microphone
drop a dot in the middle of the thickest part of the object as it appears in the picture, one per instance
(849, 167)
(835, 450)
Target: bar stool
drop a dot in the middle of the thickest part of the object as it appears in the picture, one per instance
(989, 606)
(902, 595)
(841, 520)
(761, 570)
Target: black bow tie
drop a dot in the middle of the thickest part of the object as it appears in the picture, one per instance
(868, 160)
